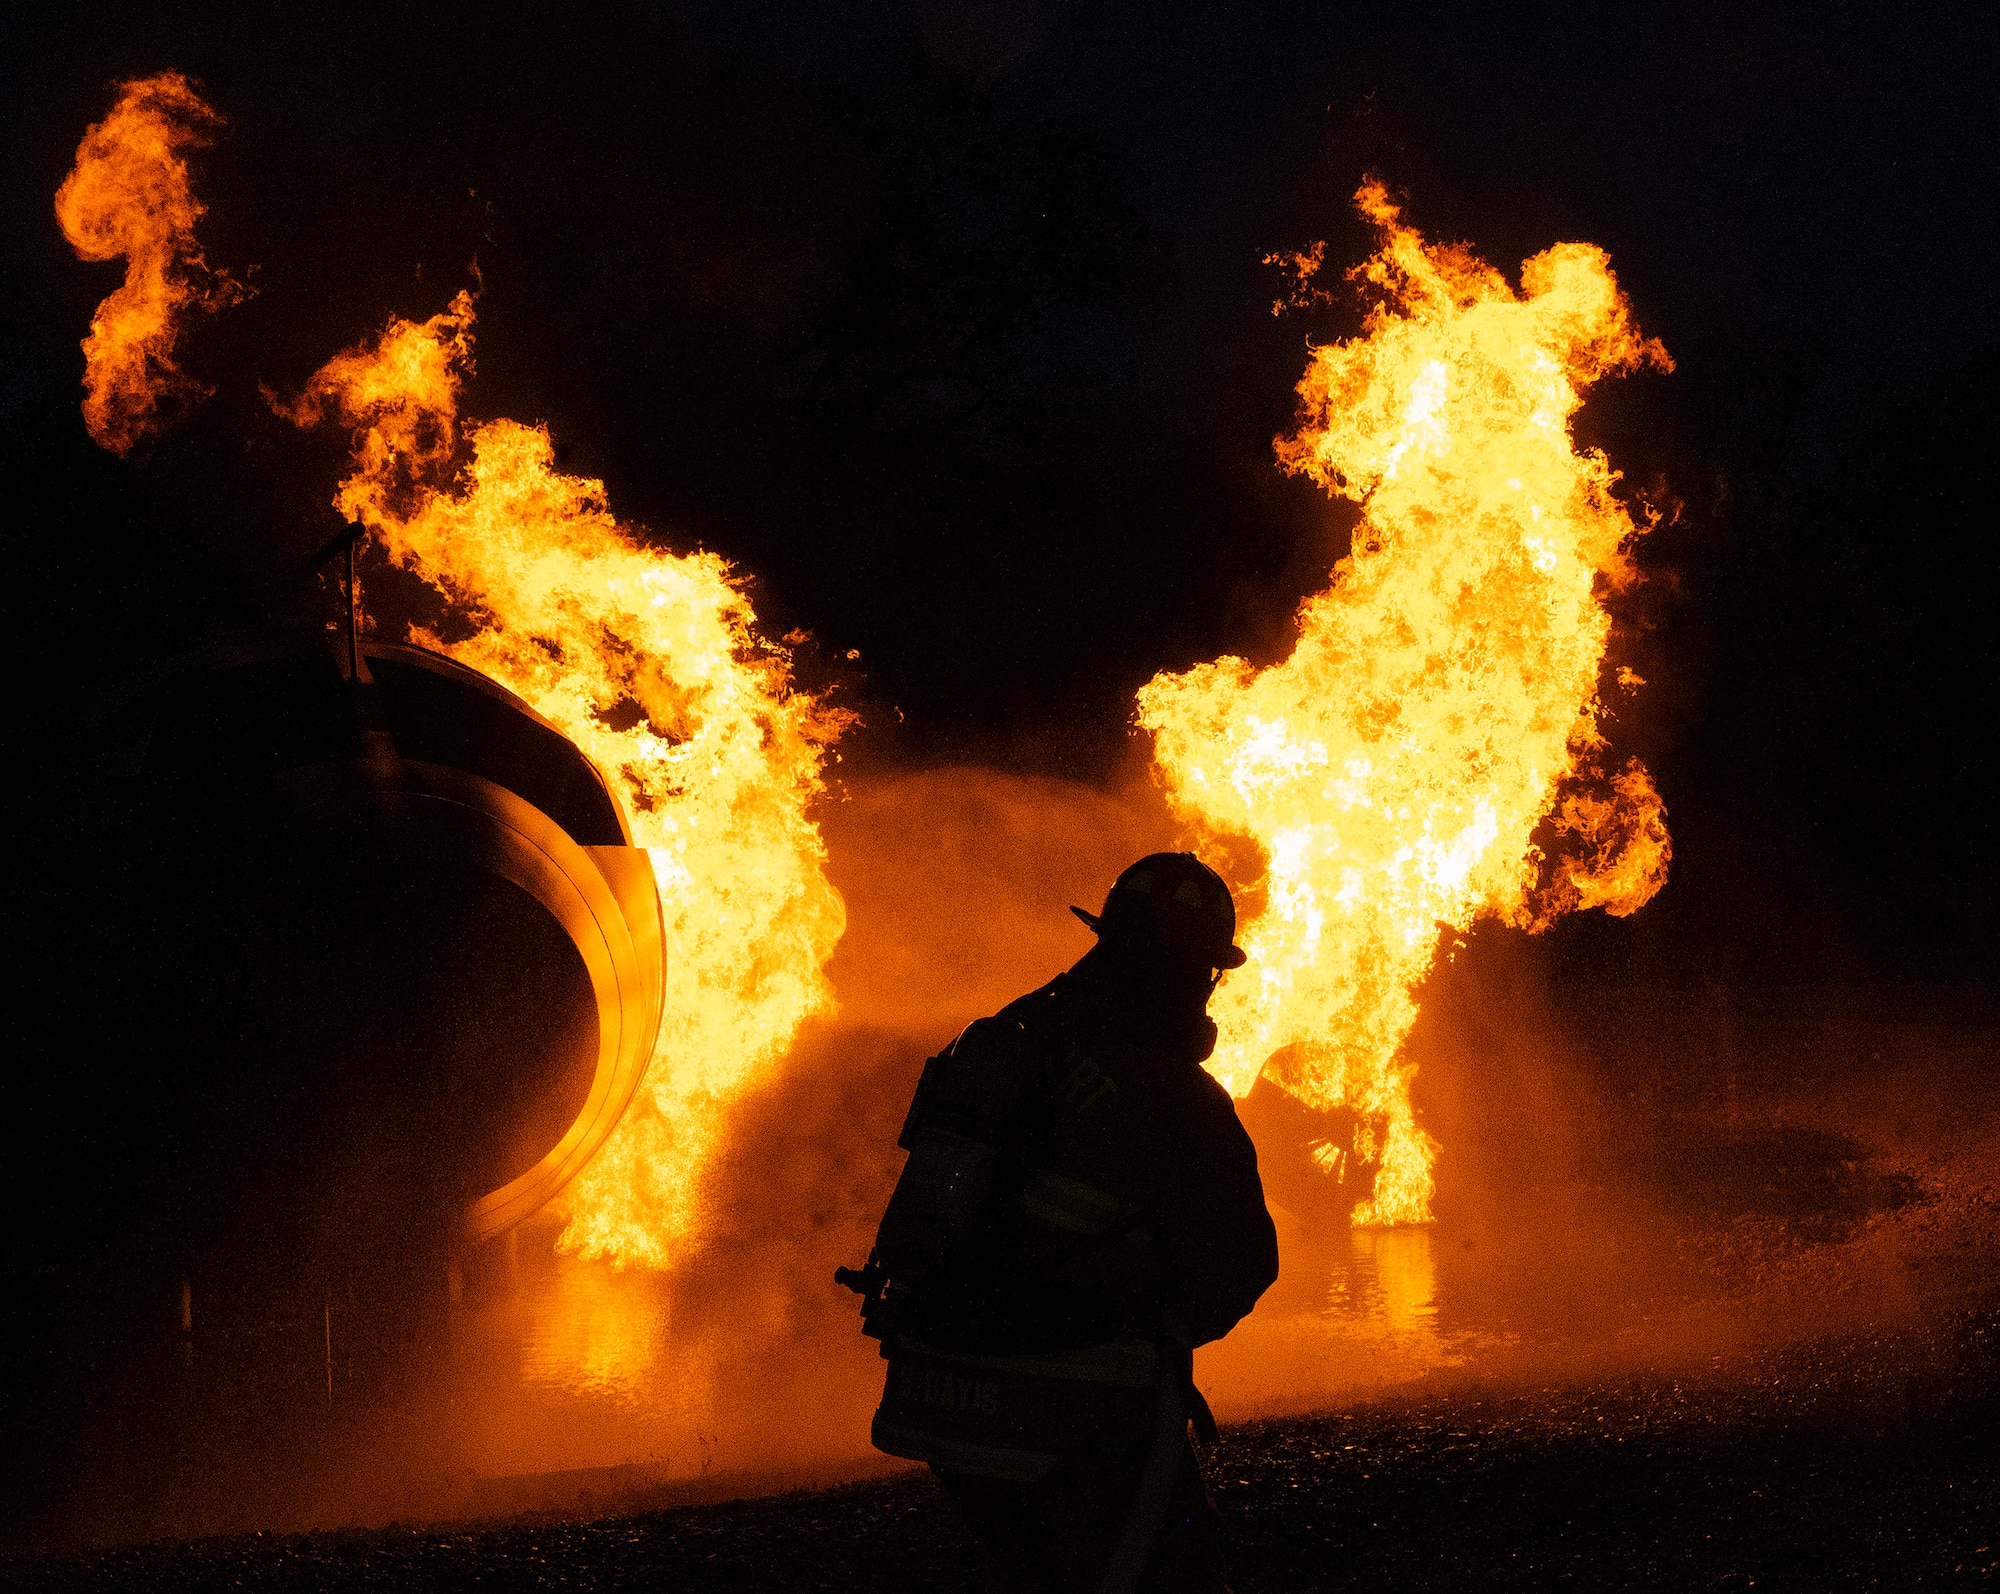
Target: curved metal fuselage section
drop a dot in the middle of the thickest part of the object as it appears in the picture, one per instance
(338, 973)
(415, 769)
(604, 898)
(601, 892)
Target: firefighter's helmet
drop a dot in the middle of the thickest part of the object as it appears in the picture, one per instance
(1174, 901)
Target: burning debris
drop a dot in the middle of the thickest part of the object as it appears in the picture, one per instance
(130, 195)
(1442, 700)
(652, 664)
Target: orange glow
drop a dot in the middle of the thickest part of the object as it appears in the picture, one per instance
(1441, 701)
(129, 195)
(651, 662)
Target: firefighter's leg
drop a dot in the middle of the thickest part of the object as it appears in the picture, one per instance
(1188, 1557)
(1010, 1521)
(1057, 1536)
(1053, 1537)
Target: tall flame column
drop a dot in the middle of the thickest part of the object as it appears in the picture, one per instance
(1442, 698)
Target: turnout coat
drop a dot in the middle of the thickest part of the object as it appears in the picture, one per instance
(1080, 1208)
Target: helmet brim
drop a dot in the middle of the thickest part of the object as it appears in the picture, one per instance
(1232, 958)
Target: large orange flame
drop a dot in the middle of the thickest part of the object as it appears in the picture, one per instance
(652, 664)
(129, 194)
(1442, 699)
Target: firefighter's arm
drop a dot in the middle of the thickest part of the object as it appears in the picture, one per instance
(1219, 1247)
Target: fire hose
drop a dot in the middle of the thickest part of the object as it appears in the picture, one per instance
(1163, 1461)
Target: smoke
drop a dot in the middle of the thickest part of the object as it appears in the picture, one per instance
(746, 1360)
(958, 884)
(1605, 1196)
(1629, 1179)
(1556, 1191)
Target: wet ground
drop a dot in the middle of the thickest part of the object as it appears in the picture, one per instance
(1864, 1462)
(1750, 1337)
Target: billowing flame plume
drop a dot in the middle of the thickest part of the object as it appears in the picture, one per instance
(1442, 699)
(129, 195)
(652, 664)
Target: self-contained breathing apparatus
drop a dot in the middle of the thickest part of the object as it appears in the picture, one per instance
(964, 1390)
(969, 1111)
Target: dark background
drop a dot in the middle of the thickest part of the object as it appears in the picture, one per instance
(947, 323)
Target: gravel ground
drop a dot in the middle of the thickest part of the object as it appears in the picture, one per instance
(1851, 1439)
(1854, 1463)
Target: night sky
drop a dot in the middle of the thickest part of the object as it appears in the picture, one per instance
(948, 324)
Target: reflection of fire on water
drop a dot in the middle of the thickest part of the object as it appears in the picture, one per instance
(1363, 1310)
(1392, 1280)
(1441, 702)
(580, 1365)
(599, 1332)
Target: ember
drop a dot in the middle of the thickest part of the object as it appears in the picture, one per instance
(1442, 699)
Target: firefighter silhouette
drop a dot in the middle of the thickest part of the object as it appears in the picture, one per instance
(1079, 1210)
